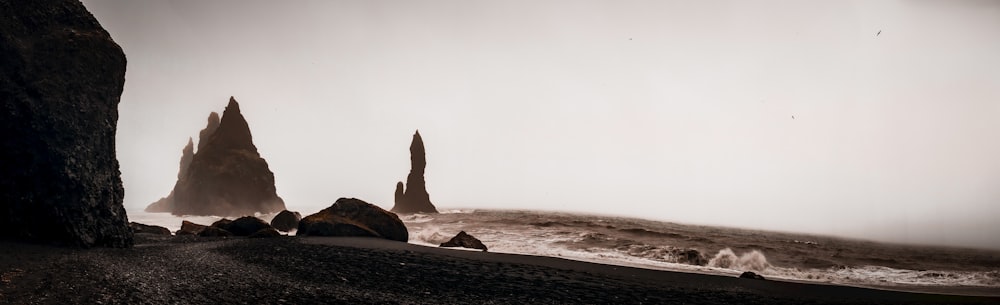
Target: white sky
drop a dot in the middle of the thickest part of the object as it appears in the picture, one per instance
(678, 111)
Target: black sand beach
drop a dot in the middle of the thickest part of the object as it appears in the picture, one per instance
(189, 270)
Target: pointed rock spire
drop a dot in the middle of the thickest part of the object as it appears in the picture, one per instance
(233, 131)
(205, 134)
(186, 155)
(414, 199)
(226, 176)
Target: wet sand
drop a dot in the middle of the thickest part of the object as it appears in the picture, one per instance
(189, 270)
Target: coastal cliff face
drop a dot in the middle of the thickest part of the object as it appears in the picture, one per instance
(226, 176)
(414, 198)
(61, 78)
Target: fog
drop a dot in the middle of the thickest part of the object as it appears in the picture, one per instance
(866, 119)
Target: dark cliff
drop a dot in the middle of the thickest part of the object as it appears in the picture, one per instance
(61, 78)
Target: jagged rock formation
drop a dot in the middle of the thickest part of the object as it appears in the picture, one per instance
(464, 240)
(414, 198)
(61, 78)
(354, 217)
(166, 204)
(205, 134)
(226, 176)
(187, 154)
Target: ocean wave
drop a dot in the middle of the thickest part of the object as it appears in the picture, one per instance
(416, 218)
(749, 261)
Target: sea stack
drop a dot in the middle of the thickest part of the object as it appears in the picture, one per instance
(61, 78)
(413, 198)
(226, 176)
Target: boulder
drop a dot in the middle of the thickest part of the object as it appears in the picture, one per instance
(190, 228)
(222, 223)
(213, 231)
(354, 217)
(751, 275)
(226, 176)
(246, 225)
(265, 233)
(286, 220)
(61, 78)
(414, 198)
(464, 240)
(139, 228)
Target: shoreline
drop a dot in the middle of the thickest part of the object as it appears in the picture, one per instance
(161, 269)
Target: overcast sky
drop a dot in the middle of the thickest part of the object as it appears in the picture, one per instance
(678, 111)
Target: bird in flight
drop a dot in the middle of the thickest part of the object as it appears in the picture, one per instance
(879, 32)
(793, 117)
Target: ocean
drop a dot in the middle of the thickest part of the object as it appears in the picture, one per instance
(702, 249)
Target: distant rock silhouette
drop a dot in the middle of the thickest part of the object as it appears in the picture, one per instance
(464, 240)
(61, 78)
(354, 217)
(414, 198)
(286, 220)
(226, 176)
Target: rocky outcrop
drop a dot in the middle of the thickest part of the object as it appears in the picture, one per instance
(226, 176)
(464, 240)
(414, 198)
(61, 79)
(286, 220)
(166, 204)
(139, 228)
(190, 228)
(214, 232)
(354, 217)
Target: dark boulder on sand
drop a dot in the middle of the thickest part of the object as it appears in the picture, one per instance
(464, 240)
(354, 217)
(222, 223)
(246, 225)
(61, 78)
(190, 228)
(226, 176)
(414, 198)
(751, 275)
(139, 228)
(286, 220)
(214, 232)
